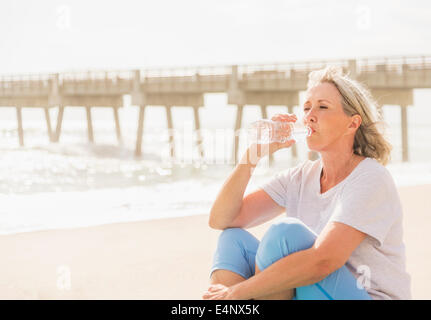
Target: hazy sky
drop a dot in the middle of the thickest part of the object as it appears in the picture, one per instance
(47, 35)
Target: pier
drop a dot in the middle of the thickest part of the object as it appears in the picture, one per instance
(390, 79)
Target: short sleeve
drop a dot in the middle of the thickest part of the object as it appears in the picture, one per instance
(284, 185)
(370, 204)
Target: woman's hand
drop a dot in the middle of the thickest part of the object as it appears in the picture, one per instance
(257, 151)
(219, 292)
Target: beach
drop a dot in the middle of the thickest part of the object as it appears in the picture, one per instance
(112, 152)
(156, 259)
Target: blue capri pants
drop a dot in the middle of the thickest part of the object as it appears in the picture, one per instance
(238, 251)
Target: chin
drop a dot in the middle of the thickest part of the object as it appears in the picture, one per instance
(312, 146)
(316, 145)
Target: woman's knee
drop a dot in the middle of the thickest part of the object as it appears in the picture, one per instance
(233, 235)
(291, 229)
(236, 250)
(239, 238)
(283, 238)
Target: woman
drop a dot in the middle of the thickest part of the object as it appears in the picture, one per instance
(342, 238)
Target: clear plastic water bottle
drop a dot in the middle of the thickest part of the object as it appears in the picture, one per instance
(267, 131)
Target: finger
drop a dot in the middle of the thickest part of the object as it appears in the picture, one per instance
(207, 295)
(291, 115)
(289, 143)
(285, 117)
(289, 118)
(217, 296)
(282, 145)
(281, 116)
(215, 287)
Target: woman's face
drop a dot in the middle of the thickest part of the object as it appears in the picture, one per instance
(323, 112)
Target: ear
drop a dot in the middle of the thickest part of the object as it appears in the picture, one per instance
(355, 122)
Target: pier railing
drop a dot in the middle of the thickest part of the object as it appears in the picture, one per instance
(391, 80)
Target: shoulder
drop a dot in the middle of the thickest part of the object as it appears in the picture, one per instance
(372, 180)
(369, 201)
(371, 172)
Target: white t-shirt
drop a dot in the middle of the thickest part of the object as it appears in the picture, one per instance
(368, 201)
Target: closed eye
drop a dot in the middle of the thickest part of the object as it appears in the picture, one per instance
(321, 107)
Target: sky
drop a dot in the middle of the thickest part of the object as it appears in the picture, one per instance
(56, 36)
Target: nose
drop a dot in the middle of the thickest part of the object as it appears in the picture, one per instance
(310, 116)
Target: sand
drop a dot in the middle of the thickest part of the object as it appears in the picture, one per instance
(158, 259)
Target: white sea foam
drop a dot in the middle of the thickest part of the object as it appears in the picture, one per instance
(165, 197)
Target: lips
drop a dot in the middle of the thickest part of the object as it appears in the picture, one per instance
(310, 130)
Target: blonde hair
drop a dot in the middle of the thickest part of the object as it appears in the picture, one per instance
(369, 139)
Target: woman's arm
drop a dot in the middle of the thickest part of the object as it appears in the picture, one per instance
(231, 208)
(228, 203)
(330, 252)
(257, 208)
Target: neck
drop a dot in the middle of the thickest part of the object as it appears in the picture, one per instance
(337, 166)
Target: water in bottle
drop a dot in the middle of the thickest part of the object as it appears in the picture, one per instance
(267, 131)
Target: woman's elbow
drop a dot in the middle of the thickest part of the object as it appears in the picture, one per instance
(214, 224)
(325, 267)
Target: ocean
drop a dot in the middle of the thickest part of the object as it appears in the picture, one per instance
(74, 183)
